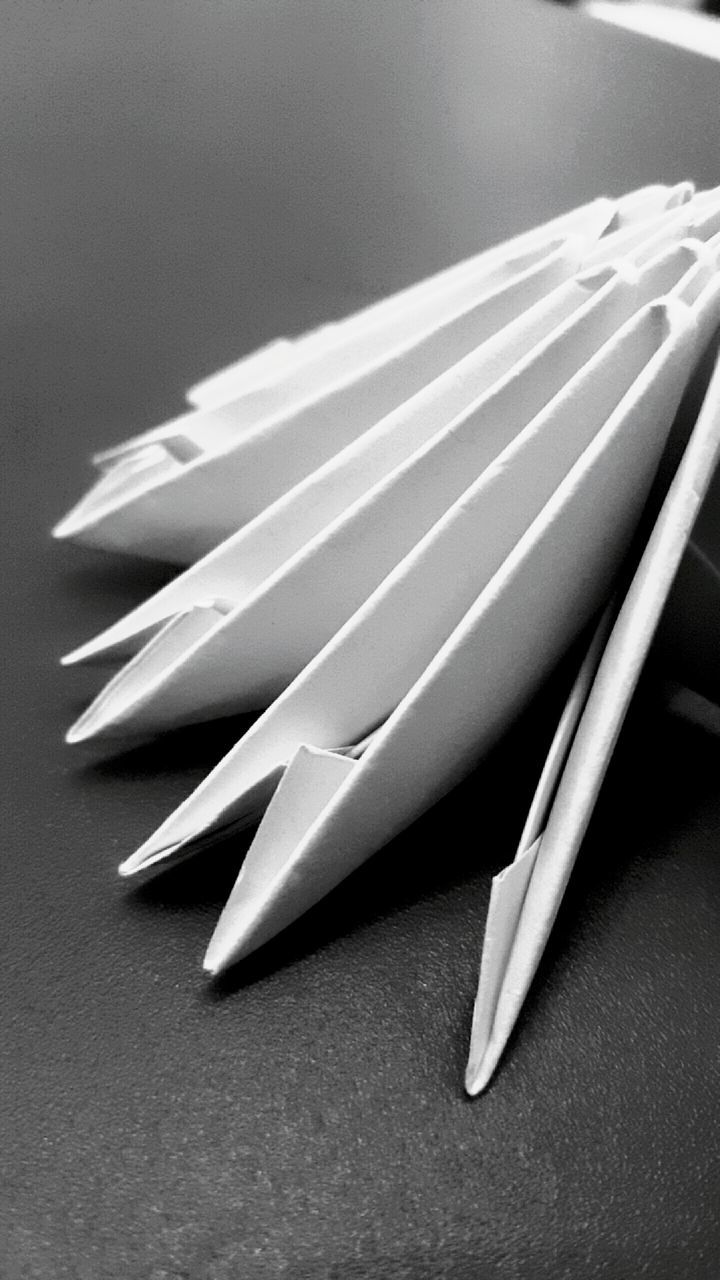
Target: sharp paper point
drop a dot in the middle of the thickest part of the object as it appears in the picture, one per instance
(67, 527)
(79, 731)
(227, 947)
(144, 858)
(249, 919)
(478, 1077)
(103, 717)
(81, 654)
(280, 877)
(108, 645)
(161, 846)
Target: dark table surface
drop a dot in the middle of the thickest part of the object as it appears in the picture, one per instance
(184, 179)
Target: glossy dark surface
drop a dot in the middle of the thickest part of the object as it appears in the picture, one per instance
(186, 179)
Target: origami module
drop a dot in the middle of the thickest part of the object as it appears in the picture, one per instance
(391, 531)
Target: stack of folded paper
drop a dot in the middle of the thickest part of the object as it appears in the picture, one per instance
(396, 527)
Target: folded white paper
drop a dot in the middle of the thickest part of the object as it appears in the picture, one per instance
(527, 895)
(438, 713)
(405, 519)
(237, 567)
(216, 659)
(292, 426)
(509, 639)
(270, 362)
(175, 492)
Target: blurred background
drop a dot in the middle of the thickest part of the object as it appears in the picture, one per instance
(228, 162)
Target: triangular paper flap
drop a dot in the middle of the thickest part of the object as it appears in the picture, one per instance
(564, 734)
(643, 240)
(251, 654)
(239, 565)
(268, 876)
(235, 794)
(219, 490)
(350, 685)
(169, 847)
(251, 770)
(510, 885)
(506, 899)
(643, 237)
(688, 640)
(602, 719)
(500, 652)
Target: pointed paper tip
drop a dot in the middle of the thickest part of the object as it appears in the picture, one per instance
(476, 1081)
(230, 944)
(94, 722)
(219, 956)
(75, 655)
(84, 652)
(67, 527)
(80, 731)
(481, 1069)
(147, 855)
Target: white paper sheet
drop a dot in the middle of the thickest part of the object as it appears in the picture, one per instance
(236, 569)
(212, 662)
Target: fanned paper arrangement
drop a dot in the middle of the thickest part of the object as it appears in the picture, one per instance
(395, 527)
